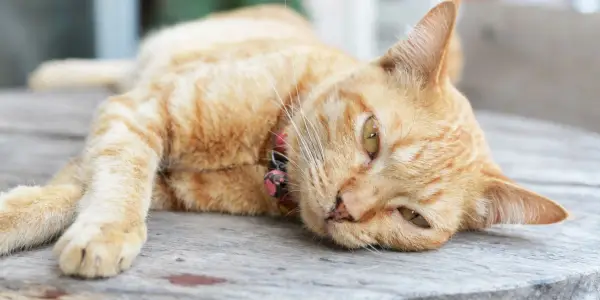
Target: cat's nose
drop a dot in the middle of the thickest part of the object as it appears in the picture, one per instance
(339, 212)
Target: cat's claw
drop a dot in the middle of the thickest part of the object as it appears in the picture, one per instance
(92, 250)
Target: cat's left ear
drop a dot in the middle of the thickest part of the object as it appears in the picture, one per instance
(506, 202)
(421, 55)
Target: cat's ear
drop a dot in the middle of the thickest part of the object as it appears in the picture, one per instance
(422, 53)
(506, 202)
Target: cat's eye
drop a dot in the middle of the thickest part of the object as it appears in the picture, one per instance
(370, 137)
(414, 217)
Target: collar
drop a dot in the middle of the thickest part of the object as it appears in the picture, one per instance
(276, 179)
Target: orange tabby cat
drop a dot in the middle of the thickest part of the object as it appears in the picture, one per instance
(384, 152)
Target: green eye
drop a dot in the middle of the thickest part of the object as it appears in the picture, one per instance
(413, 217)
(370, 137)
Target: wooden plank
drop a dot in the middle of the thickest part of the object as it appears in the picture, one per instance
(38, 133)
(60, 114)
(210, 256)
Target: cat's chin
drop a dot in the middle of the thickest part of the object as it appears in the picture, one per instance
(347, 235)
(344, 234)
(312, 221)
(340, 234)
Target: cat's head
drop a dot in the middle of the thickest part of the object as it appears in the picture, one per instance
(392, 154)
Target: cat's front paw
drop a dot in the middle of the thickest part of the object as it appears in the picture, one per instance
(93, 250)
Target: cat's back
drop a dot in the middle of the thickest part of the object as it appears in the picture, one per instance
(224, 36)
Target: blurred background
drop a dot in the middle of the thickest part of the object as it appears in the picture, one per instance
(537, 58)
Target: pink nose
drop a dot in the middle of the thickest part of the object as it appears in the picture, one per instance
(339, 212)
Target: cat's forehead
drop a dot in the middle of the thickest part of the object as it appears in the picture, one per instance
(401, 106)
(398, 106)
(368, 92)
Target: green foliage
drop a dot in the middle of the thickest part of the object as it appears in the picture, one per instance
(165, 12)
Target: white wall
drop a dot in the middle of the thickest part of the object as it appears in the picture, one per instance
(365, 28)
(116, 28)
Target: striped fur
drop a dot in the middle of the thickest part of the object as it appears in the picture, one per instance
(191, 131)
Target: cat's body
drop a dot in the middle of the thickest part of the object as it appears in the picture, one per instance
(194, 126)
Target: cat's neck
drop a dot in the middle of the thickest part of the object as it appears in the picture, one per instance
(321, 70)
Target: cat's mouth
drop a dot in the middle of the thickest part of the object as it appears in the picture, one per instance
(340, 213)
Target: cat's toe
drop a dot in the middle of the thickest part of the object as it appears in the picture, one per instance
(98, 250)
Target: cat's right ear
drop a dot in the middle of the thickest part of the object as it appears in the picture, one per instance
(421, 55)
(506, 202)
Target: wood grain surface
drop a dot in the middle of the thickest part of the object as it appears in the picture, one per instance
(209, 256)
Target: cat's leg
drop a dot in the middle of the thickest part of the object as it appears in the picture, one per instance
(33, 215)
(121, 159)
(238, 190)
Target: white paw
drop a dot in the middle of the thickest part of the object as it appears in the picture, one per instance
(93, 250)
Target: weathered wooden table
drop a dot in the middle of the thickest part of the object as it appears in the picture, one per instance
(222, 257)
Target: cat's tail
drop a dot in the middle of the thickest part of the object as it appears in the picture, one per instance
(81, 73)
(33, 215)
